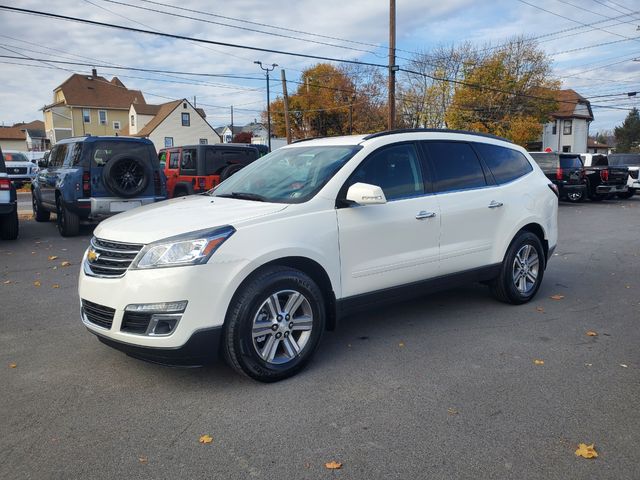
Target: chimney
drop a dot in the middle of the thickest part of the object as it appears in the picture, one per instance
(94, 73)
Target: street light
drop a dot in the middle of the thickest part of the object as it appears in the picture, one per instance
(267, 70)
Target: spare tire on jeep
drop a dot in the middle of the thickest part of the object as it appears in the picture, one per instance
(126, 175)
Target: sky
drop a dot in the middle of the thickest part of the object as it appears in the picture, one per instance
(592, 44)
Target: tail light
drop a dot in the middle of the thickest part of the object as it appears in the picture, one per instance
(554, 189)
(5, 184)
(86, 184)
(156, 182)
(604, 175)
(559, 173)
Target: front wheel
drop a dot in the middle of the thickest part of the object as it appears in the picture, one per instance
(9, 226)
(575, 197)
(38, 213)
(521, 271)
(274, 324)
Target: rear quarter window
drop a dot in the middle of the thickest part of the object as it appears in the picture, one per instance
(505, 164)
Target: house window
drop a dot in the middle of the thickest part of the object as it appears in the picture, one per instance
(186, 120)
(204, 141)
(566, 148)
(168, 142)
(116, 125)
(102, 116)
(566, 129)
(133, 120)
(86, 115)
(554, 128)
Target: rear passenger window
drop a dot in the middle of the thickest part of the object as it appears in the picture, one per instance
(506, 164)
(456, 166)
(395, 169)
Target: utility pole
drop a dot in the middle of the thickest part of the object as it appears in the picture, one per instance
(232, 123)
(267, 70)
(285, 96)
(392, 65)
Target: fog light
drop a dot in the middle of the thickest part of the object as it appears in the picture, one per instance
(161, 307)
(153, 319)
(163, 324)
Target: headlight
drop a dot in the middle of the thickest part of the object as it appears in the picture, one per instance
(189, 249)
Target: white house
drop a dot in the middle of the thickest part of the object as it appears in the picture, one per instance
(257, 130)
(171, 124)
(568, 129)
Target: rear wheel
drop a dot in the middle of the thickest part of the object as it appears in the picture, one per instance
(575, 197)
(68, 222)
(521, 271)
(38, 213)
(9, 226)
(274, 324)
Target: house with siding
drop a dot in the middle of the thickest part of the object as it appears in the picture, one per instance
(171, 124)
(29, 137)
(568, 128)
(89, 105)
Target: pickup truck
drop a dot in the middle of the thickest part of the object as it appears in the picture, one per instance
(603, 179)
(565, 171)
(632, 162)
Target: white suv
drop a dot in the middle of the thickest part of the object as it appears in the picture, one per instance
(259, 267)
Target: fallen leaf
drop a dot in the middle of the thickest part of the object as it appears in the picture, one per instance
(624, 366)
(586, 451)
(307, 465)
(538, 362)
(55, 268)
(452, 411)
(333, 465)
(143, 460)
(556, 297)
(588, 364)
(12, 365)
(206, 439)
(591, 333)
(401, 344)
(55, 285)
(37, 283)
(539, 309)
(7, 282)
(65, 264)
(53, 257)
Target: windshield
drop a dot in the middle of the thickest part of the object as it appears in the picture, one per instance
(288, 175)
(625, 159)
(15, 157)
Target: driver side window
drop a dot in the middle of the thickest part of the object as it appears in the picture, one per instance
(395, 169)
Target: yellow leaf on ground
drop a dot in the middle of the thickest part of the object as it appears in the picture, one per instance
(557, 297)
(586, 451)
(206, 439)
(538, 362)
(401, 344)
(539, 309)
(452, 411)
(37, 283)
(624, 366)
(12, 365)
(333, 465)
(143, 460)
(7, 282)
(55, 285)
(65, 264)
(53, 257)
(591, 333)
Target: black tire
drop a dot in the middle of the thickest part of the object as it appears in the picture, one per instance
(230, 170)
(38, 213)
(626, 195)
(241, 346)
(9, 226)
(68, 222)
(126, 175)
(503, 287)
(575, 197)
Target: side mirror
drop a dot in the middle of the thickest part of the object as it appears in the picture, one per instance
(42, 163)
(365, 194)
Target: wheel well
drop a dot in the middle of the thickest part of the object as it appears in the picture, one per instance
(317, 274)
(539, 232)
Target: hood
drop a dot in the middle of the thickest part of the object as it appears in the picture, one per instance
(181, 215)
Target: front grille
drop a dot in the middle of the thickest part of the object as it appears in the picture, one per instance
(98, 314)
(633, 174)
(134, 322)
(16, 170)
(111, 259)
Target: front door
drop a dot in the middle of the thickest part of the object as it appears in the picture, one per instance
(395, 243)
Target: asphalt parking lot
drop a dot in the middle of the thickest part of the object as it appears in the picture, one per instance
(442, 387)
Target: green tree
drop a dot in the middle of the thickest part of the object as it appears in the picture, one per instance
(628, 134)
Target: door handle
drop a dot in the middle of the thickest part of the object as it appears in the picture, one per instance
(422, 215)
(495, 204)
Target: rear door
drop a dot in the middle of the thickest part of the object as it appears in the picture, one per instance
(392, 244)
(172, 169)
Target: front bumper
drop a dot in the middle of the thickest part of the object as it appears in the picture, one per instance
(202, 348)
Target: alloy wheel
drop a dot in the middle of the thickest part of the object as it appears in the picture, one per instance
(526, 266)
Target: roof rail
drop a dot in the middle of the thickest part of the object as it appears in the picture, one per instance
(433, 130)
(306, 139)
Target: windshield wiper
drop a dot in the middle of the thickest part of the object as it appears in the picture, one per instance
(243, 196)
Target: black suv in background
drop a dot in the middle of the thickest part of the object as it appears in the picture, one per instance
(89, 178)
(566, 171)
(8, 205)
